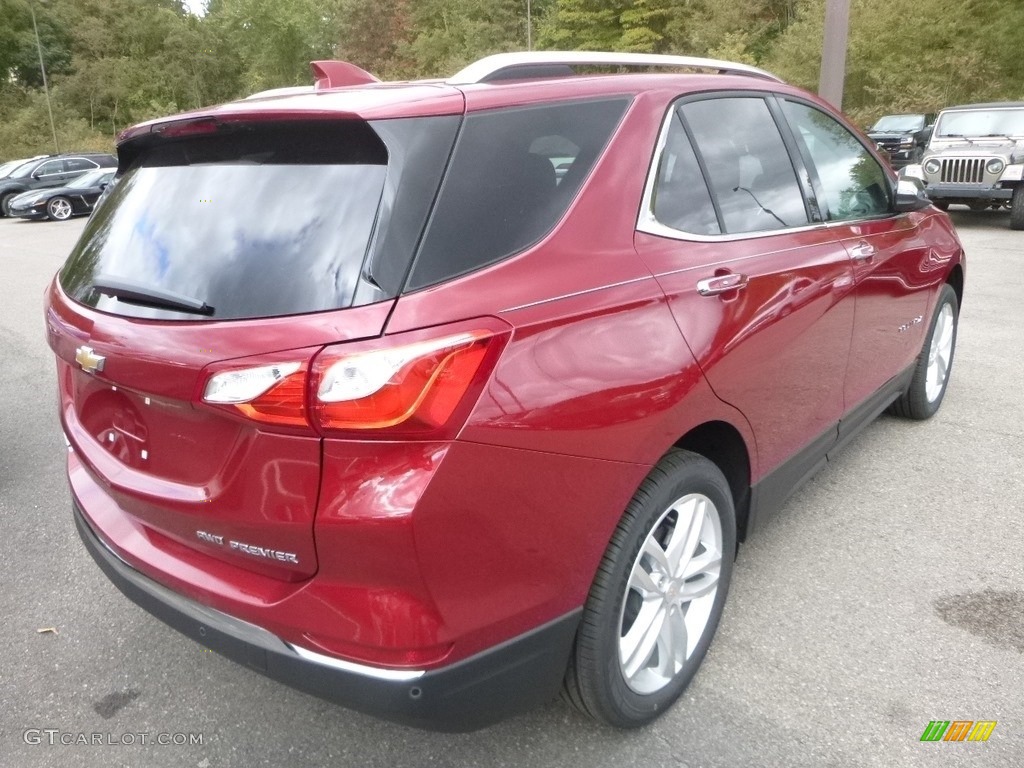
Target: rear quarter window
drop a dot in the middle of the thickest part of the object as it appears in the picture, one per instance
(512, 176)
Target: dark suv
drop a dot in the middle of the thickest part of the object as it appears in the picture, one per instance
(50, 171)
(433, 398)
(902, 137)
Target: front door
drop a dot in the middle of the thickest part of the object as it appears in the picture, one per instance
(762, 294)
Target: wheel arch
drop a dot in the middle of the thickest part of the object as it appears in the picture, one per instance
(723, 445)
(955, 279)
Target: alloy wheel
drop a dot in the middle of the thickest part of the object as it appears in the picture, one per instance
(670, 593)
(939, 354)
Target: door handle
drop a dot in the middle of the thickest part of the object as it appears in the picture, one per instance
(713, 286)
(862, 251)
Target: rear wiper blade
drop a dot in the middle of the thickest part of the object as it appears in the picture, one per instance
(147, 296)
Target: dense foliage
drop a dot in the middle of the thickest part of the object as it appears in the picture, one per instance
(111, 63)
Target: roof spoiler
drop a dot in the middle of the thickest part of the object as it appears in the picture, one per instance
(337, 74)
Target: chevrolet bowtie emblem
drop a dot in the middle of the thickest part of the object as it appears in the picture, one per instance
(89, 360)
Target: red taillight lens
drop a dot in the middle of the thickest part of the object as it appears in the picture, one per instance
(270, 394)
(285, 403)
(416, 386)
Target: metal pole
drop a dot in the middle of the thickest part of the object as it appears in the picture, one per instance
(42, 68)
(833, 51)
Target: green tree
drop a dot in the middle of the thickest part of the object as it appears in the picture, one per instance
(275, 40)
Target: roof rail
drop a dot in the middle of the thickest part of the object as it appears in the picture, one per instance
(335, 74)
(510, 66)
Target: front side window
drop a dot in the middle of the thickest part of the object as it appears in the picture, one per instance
(51, 168)
(748, 167)
(853, 182)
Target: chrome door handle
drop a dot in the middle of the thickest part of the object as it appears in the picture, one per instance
(862, 251)
(713, 286)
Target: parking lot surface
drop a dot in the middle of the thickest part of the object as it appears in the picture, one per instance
(888, 593)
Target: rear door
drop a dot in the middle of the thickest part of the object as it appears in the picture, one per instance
(890, 258)
(761, 292)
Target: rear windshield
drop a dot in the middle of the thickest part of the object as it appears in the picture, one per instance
(248, 221)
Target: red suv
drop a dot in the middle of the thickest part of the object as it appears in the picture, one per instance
(433, 398)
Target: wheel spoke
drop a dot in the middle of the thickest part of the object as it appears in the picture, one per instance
(685, 535)
(642, 582)
(656, 554)
(639, 643)
(706, 562)
(672, 643)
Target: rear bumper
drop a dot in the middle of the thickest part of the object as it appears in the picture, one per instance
(505, 680)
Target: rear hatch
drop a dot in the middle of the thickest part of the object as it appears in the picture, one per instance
(227, 255)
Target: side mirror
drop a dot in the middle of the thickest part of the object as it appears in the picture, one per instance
(103, 185)
(926, 134)
(910, 194)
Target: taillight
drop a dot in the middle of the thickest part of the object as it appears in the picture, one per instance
(271, 394)
(413, 384)
(417, 385)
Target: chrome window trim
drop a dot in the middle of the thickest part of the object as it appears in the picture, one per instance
(648, 224)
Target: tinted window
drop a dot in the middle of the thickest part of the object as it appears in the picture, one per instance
(511, 178)
(50, 168)
(79, 164)
(853, 183)
(254, 221)
(749, 170)
(681, 199)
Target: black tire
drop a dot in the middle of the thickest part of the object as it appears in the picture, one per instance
(595, 680)
(942, 205)
(5, 200)
(1017, 208)
(915, 402)
(59, 209)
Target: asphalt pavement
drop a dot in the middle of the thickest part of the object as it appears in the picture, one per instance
(889, 593)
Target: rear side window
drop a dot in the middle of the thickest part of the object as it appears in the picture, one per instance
(253, 221)
(79, 164)
(512, 176)
(748, 167)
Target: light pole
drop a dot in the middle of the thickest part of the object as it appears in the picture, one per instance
(42, 68)
(833, 51)
(529, 27)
